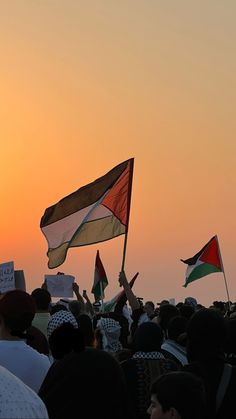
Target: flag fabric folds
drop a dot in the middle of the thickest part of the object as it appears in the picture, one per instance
(205, 262)
(94, 213)
(100, 279)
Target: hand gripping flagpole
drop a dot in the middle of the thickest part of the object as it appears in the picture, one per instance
(128, 211)
(221, 261)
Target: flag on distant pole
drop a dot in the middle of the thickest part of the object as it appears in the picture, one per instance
(100, 279)
(206, 261)
(94, 213)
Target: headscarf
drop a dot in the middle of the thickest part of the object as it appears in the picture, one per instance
(110, 330)
(58, 319)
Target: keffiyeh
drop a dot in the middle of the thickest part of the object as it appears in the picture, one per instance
(58, 318)
(148, 355)
(177, 350)
(110, 330)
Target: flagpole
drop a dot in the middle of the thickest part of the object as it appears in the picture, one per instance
(124, 251)
(221, 261)
(128, 212)
(101, 292)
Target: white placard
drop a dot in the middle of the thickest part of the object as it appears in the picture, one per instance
(60, 285)
(7, 278)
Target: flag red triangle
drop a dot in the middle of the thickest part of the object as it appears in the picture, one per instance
(211, 254)
(118, 198)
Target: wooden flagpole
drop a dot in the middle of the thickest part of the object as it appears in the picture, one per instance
(128, 211)
(221, 261)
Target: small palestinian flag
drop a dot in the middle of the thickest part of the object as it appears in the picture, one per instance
(205, 262)
(94, 213)
(100, 279)
(119, 300)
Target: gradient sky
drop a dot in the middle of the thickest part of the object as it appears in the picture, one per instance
(87, 84)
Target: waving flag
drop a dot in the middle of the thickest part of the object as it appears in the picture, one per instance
(117, 302)
(205, 262)
(100, 279)
(94, 213)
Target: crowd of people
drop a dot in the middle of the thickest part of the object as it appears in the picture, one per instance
(73, 360)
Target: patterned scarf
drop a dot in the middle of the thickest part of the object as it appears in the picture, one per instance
(178, 351)
(58, 318)
(148, 355)
(110, 330)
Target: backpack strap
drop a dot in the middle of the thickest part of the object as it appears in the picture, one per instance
(223, 385)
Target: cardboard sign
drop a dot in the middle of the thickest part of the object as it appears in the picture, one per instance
(7, 278)
(20, 280)
(60, 285)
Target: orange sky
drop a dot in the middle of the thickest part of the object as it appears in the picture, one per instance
(87, 84)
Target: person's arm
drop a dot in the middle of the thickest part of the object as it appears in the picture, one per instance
(79, 297)
(88, 303)
(133, 301)
(122, 300)
(44, 285)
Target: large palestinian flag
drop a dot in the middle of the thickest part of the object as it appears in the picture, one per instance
(205, 262)
(94, 213)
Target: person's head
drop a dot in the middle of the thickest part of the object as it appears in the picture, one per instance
(42, 299)
(86, 326)
(97, 307)
(166, 313)
(109, 330)
(206, 335)
(65, 339)
(121, 319)
(179, 304)
(17, 310)
(76, 308)
(37, 340)
(186, 310)
(92, 379)
(163, 302)
(177, 395)
(220, 306)
(191, 301)
(149, 308)
(148, 338)
(176, 327)
(57, 307)
(58, 318)
(140, 300)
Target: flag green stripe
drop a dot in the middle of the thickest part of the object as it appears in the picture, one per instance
(200, 271)
(97, 289)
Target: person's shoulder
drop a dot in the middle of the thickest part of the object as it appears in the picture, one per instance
(42, 316)
(18, 400)
(168, 364)
(33, 354)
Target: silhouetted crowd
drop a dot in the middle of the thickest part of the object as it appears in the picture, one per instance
(75, 359)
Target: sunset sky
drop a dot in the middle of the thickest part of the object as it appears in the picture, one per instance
(88, 84)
